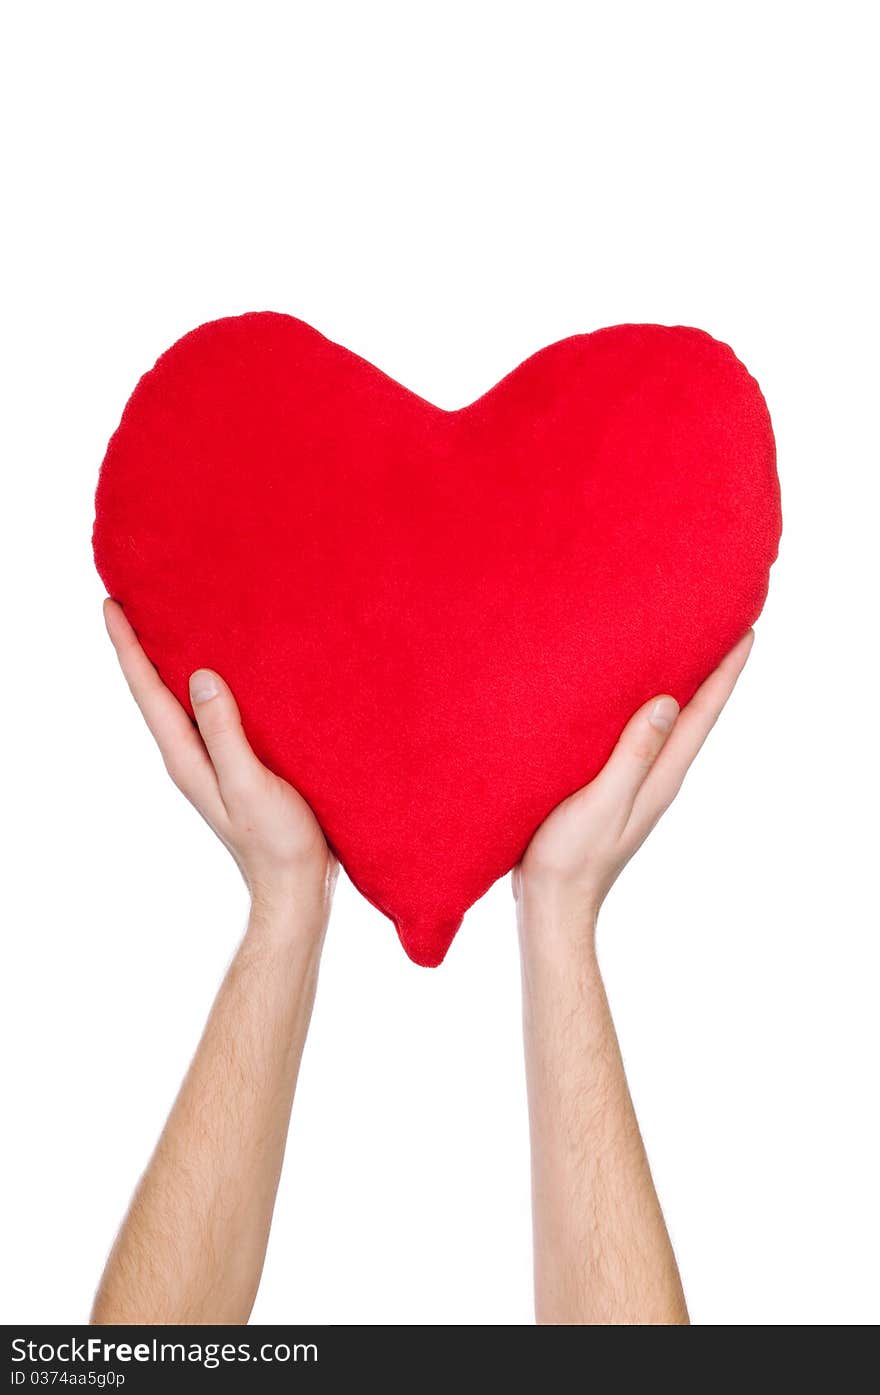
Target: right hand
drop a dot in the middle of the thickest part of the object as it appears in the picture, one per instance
(581, 848)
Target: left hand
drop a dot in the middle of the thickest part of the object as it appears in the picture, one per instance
(267, 826)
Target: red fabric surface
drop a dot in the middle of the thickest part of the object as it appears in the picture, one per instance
(436, 622)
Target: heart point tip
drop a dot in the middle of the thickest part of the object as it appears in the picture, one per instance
(427, 944)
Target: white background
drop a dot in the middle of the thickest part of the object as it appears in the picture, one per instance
(444, 189)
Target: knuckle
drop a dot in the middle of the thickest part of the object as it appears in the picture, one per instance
(673, 791)
(642, 749)
(179, 772)
(225, 728)
(707, 710)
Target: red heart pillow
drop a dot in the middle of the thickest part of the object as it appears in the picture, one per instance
(436, 623)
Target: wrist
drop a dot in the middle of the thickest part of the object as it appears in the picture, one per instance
(281, 950)
(563, 902)
(556, 921)
(294, 906)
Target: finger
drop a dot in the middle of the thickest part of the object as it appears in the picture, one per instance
(693, 726)
(629, 764)
(178, 740)
(219, 720)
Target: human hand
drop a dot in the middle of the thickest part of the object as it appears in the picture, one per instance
(580, 849)
(266, 825)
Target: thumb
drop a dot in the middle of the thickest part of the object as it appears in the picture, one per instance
(638, 746)
(219, 722)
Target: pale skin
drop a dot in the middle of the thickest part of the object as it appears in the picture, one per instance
(192, 1245)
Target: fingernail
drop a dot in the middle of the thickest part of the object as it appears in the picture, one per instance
(203, 686)
(663, 713)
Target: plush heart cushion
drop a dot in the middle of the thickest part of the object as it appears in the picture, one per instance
(436, 622)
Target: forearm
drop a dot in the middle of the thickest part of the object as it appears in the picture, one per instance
(192, 1245)
(602, 1251)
